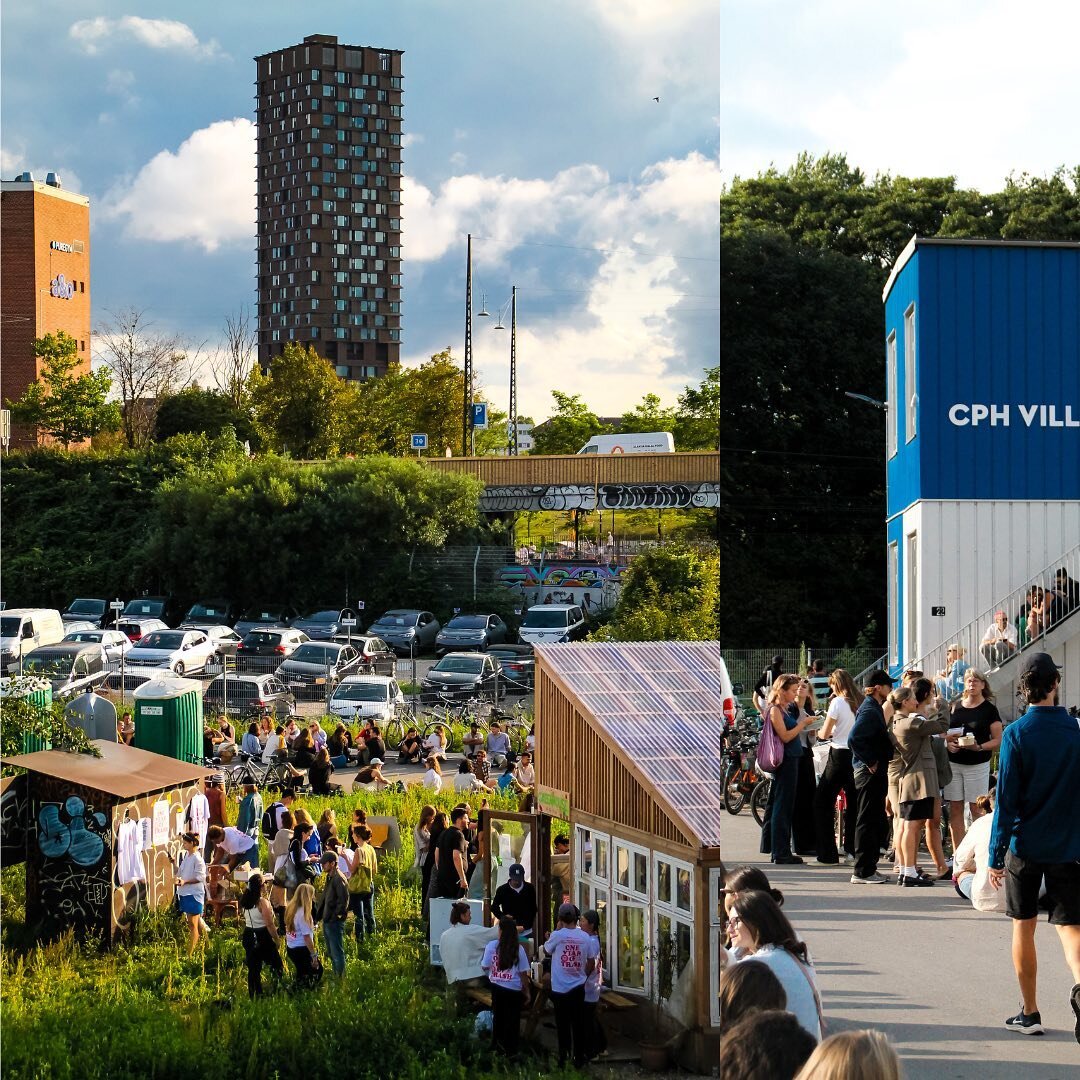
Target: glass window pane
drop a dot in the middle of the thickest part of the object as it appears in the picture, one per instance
(622, 865)
(630, 929)
(600, 903)
(641, 873)
(583, 899)
(682, 946)
(601, 856)
(663, 881)
(682, 898)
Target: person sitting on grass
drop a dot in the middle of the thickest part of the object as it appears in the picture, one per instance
(409, 748)
(497, 745)
(433, 777)
(371, 775)
(466, 780)
(319, 773)
(525, 774)
(302, 755)
(250, 744)
(482, 770)
(340, 746)
(374, 745)
(435, 744)
(472, 740)
(275, 748)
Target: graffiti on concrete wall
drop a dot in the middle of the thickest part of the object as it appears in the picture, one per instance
(14, 807)
(592, 585)
(588, 497)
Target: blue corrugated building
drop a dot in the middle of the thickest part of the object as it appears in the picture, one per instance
(982, 342)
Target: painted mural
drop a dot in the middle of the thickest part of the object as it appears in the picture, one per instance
(14, 808)
(590, 497)
(592, 585)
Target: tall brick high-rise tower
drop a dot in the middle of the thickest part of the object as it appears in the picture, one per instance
(329, 203)
(44, 279)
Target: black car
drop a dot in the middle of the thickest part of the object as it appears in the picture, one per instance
(319, 663)
(322, 625)
(272, 613)
(247, 694)
(95, 611)
(462, 674)
(152, 607)
(376, 657)
(220, 612)
(471, 632)
(275, 642)
(518, 664)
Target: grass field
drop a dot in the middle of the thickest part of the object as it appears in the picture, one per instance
(144, 1008)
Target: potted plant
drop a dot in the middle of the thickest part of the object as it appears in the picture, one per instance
(656, 1048)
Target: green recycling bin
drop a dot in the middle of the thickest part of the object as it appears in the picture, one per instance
(169, 717)
(37, 692)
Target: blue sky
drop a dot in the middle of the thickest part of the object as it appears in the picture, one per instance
(533, 127)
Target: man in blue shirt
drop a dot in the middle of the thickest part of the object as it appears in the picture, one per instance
(1036, 832)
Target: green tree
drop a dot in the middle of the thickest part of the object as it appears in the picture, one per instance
(568, 429)
(302, 407)
(648, 415)
(195, 409)
(67, 406)
(697, 417)
(670, 593)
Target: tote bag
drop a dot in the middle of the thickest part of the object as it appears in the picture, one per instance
(770, 751)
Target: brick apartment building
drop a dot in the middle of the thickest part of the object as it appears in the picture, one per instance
(329, 203)
(44, 279)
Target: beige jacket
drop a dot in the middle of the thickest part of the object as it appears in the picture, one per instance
(913, 763)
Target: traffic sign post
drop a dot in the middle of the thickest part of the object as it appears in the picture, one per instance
(419, 442)
(479, 414)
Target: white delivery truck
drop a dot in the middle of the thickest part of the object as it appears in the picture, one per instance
(631, 442)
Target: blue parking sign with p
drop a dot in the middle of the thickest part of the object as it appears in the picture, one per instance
(479, 414)
(419, 442)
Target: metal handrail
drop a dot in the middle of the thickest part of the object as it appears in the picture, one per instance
(880, 662)
(1027, 622)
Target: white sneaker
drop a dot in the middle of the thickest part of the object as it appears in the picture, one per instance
(873, 879)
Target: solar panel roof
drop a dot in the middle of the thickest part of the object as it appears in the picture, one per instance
(659, 702)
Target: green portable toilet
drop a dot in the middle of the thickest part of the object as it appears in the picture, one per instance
(169, 717)
(37, 692)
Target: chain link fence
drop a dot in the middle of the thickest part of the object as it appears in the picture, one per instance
(746, 665)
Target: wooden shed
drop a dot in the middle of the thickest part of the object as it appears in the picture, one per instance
(628, 749)
(100, 835)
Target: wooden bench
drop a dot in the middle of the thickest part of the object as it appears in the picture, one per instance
(478, 994)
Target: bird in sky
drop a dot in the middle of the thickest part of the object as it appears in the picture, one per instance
(656, 99)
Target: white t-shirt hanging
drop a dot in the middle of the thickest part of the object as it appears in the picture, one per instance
(505, 979)
(569, 950)
(198, 816)
(840, 712)
(129, 864)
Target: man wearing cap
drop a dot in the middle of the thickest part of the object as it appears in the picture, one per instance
(765, 682)
(1000, 641)
(1036, 832)
(871, 752)
(516, 898)
(332, 909)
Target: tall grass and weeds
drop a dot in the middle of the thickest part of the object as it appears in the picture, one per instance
(71, 1008)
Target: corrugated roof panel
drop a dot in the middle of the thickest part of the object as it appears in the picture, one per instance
(660, 703)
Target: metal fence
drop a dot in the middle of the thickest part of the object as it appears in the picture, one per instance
(746, 665)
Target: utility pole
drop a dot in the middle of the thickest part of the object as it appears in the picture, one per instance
(512, 449)
(466, 414)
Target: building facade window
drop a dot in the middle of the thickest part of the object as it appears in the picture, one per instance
(891, 404)
(911, 393)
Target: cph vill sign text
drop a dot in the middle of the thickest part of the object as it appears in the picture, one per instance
(1045, 416)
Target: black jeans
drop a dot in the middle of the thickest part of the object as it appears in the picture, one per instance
(595, 1036)
(803, 832)
(871, 788)
(776, 831)
(505, 1019)
(259, 949)
(570, 1024)
(838, 776)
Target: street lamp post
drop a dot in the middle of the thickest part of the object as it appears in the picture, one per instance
(511, 420)
(468, 445)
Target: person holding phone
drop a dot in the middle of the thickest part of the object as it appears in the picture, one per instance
(782, 711)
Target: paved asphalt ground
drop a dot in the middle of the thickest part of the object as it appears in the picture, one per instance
(924, 967)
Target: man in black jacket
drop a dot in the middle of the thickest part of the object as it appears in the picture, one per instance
(333, 908)
(517, 898)
(871, 751)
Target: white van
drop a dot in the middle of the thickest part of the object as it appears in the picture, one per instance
(631, 442)
(552, 622)
(25, 629)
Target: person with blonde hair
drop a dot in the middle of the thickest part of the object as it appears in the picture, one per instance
(838, 774)
(915, 771)
(783, 713)
(300, 936)
(852, 1055)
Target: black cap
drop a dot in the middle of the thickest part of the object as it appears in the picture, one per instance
(1041, 664)
(879, 678)
(778, 659)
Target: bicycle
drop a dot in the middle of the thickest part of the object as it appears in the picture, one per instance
(740, 777)
(759, 798)
(404, 718)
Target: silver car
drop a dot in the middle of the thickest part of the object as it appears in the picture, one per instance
(115, 643)
(180, 651)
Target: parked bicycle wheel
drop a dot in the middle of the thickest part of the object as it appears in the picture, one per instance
(734, 797)
(453, 742)
(394, 732)
(759, 799)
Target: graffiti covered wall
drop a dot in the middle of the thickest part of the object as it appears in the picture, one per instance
(590, 497)
(594, 586)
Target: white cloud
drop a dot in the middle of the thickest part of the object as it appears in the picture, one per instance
(121, 83)
(641, 315)
(16, 159)
(204, 193)
(411, 138)
(92, 35)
